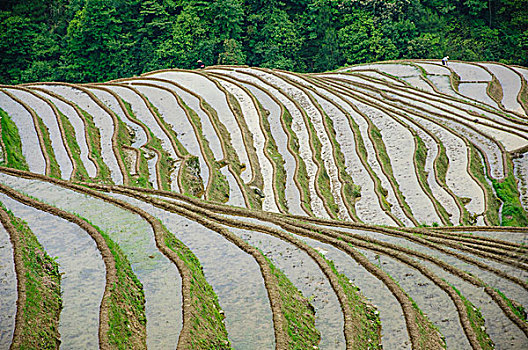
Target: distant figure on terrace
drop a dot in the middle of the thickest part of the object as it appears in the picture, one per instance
(200, 64)
(444, 61)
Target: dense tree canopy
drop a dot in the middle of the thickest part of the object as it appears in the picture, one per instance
(94, 40)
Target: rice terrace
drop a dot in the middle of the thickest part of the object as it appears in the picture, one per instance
(381, 205)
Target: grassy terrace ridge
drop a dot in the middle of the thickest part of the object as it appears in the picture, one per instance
(276, 158)
(298, 312)
(11, 144)
(123, 139)
(189, 177)
(516, 308)
(366, 324)
(54, 166)
(478, 170)
(429, 335)
(69, 134)
(127, 320)
(513, 213)
(257, 179)
(350, 192)
(37, 320)
(361, 149)
(94, 141)
(323, 180)
(217, 188)
(301, 174)
(477, 322)
(420, 157)
(385, 164)
(362, 153)
(231, 158)
(207, 327)
(164, 162)
(202, 324)
(122, 311)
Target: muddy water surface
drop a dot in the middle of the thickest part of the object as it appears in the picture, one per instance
(28, 135)
(510, 83)
(194, 103)
(160, 278)
(233, 274)
(46, 114)
(218, 100)
(236, 197)
(102, 120)
(306, 275)
(434, 302)
(82, 268)
(78, 126)
(8, 290)
(394, 332)
(140, 137)
(503, 332)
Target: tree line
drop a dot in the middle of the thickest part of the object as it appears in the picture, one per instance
(97, 40)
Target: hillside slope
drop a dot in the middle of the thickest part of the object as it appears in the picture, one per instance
(347, 209)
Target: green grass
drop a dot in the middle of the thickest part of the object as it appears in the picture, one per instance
(299, 313)
(479, 171)
(276, 158)
(69, 134)
(421, 156)
(385, 163)
(302, 174)
(54, 166)
(367, 325)
(94, 140)
(494, 90)
(218, 189)
(165, 161)
(351, 191)
(127, 302)
(517, 308)
(40, 321)
(142, 179)
(208, 330)
(323, 180)
(123, 139)
(513, 213)
(362, 152)
(477, 322)
(191, 180)
(13, 157)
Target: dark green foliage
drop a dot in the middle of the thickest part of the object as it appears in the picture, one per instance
(95, 40)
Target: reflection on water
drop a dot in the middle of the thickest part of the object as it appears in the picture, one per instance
(8, 290)
(82, 269)
(233, 274)
(160, 278)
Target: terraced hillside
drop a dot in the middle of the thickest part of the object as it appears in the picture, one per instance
(378, 206)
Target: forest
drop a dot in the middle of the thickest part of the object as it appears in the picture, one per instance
(97, 40)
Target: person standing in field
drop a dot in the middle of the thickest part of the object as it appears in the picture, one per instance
(444, 61)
